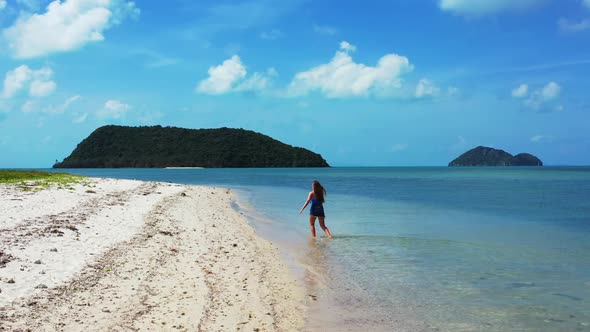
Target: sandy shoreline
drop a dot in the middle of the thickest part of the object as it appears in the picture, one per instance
(122, 255)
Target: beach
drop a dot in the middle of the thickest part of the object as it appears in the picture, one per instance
(125, 255)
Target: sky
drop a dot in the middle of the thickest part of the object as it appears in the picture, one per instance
(363, 83)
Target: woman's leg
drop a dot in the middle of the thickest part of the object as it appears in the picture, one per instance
(323, 226)
(312, 225)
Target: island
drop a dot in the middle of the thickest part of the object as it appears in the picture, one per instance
(160, 147)
(486, 156)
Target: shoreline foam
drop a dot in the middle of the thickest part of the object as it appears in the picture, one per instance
(145, 256)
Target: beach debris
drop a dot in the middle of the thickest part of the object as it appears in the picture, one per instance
(174, 250)
(567, 296)
(168, 233)
(53, 250)
(183, 194)
(313, 297)
(10, 281)
(41, 286)
(38, 261)
(106, 270)
(5, 258)
(234, 245)
(90, 192)
(72, 228)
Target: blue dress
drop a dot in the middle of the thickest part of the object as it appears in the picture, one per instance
(317, 207)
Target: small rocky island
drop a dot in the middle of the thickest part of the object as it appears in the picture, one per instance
(159, 147)
(485, 156)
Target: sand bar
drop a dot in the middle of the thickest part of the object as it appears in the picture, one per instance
(122, 255)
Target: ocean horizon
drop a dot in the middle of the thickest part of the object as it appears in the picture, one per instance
(423, 248)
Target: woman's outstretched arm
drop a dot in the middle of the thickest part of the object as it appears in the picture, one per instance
(306, 202)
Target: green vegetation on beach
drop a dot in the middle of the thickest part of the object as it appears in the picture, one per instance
(37, 180)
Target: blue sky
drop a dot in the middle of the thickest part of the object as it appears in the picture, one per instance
(371, 83)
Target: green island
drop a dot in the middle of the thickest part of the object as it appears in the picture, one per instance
(37, 180)
(486, 156)
(159, 147)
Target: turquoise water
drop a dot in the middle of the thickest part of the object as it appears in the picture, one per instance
(449, 249)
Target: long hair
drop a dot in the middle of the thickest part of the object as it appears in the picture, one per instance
(319, 191)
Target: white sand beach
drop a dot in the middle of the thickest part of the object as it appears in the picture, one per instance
(122, 255)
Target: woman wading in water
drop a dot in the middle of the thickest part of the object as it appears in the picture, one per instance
(316, 197)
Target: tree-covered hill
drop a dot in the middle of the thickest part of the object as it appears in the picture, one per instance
(157, 146)
(485, 156)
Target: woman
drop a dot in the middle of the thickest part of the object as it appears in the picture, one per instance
(316, 197)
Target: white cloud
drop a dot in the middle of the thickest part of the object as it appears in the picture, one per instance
(40, 88)
(544, 98)
(29, 106)
(325, 30)
(426, 88)
(65, 26)
(453, 91)
(567, 25)
(460, 144)
(230, 76)
(485, 7)
(2, 4)
(551, 91)
(272, 34)
(223, 77)
(347, 47)
(537, 138)
(342, 77)
(113, 109)
(521, 91)
(80, 118)
(39, 81)
(60, 109)
(399, 147)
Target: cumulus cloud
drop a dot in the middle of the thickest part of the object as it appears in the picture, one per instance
(39, 81)
(2, 4)
(230, 76)
(521, 91)
(223, 77)
(537, 138)
(113, 109)
(65, 26)
(544, 98)
(569, 26)
(40, 88)
(426, 88)
(342, 77)
(347, 47)
(485, 7)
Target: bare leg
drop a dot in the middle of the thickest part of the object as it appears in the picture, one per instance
(323, 226)
(312, 225)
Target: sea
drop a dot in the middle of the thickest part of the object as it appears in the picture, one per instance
(422, 248)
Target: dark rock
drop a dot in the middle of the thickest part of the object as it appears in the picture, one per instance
(10, 281)
(38, 261)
